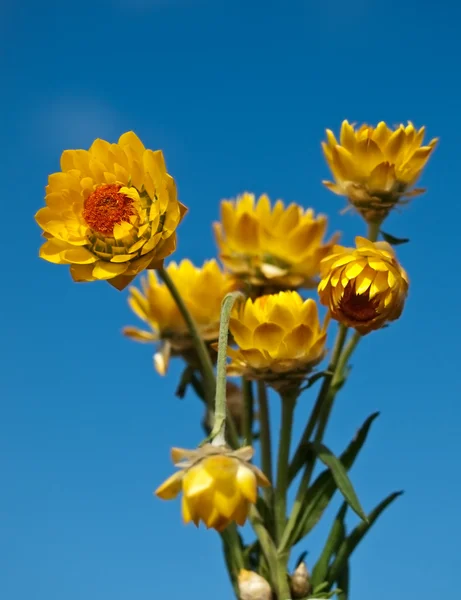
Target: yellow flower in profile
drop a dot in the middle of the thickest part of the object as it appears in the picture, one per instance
(202, 290)
(279, 338)
(364, 287)
(111, 212)
(271, 248)
(375, 167)
(218, 484)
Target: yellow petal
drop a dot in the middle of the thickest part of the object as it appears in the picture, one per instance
(246, 482)
(52, 250)
(80, 256)
(106, 270)
(171, 487)
(268, 336)
(196, 481)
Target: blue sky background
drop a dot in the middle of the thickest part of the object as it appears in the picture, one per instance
(237, 94)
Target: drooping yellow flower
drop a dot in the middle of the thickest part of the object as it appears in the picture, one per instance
(375, 167)
(279, 338)
(111, 212)
(271, 248)
(218, 484)
(364, 287)
(202, 290)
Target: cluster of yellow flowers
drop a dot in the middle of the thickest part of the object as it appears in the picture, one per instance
(112, 213)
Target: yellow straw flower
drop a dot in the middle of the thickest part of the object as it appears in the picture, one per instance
(375, 167)
(218, 484)
(279, 336)
(271, 248)
(111, 212)
(364, 287)
(202, 290)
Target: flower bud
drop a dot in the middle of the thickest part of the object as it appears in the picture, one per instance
(253, 587)
(364, 287)
(299, 582)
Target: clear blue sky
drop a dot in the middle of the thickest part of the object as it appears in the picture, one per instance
(237, 94)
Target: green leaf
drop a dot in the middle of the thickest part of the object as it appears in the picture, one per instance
(392, 240)
(350, 543)
(334, 541)
(322, 490)
(340, 476)
(301, 557)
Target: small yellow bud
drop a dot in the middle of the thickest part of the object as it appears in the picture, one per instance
(299, 581)
(253, 587)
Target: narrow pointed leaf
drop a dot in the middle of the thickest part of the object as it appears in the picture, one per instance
(334, 541)
(319, 495)
(340, 476)
(392, 240)
(356, 536)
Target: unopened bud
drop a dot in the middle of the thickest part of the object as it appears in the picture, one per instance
(299, 582)
(253, 587)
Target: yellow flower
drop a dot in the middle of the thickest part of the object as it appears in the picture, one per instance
(363, 287)
(271, 248)
(202, 290)
(218, 484)
(279, 336)
(375, 167)
(111, 212)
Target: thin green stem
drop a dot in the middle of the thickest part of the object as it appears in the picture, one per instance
(277, 575)
(265, 437)
(199, 344)
(248, 405)
(280, 500)
(218, 433)
(298, 458)
(373, 230)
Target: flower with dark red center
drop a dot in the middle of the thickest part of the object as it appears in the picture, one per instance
(111, 212)
(364, 287)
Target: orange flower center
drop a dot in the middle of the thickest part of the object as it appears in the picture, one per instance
(358, 307)
(106, 207)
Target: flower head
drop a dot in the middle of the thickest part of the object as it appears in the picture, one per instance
(218, 484)
(375, 167)
(202, 290)
(363, 287)
(279, 338)
(271, 248)
(111, 211)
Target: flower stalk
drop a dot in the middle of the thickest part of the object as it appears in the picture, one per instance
(218, 433)
(200, 346)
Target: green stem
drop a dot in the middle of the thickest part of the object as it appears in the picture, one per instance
(280, 500)
(248, 405)
(373, 230)
(298, 459)
(279, 582)
(265, 436)
(218, 433)
(199, 344)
